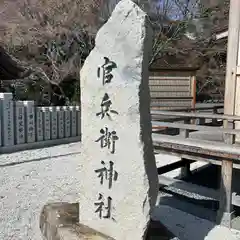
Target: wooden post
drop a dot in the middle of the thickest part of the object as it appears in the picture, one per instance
(236, 76)
(202, 121)
(215, 111)
(229, 138)
(225, 212)
(185, 132)
(193, 89)
(193, 94)
(232, 57)
(185, 169)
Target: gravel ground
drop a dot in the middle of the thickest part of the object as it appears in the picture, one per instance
(38, 177)
(31, 179)
(181, 215)
(188, 227)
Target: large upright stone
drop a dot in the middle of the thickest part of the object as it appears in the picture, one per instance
(39, 124)
(30, 121)
(60, 114)
(73, 118)
(119, 177)
(19, 122)
(79, 133)
(67, 122)
(54, 130)
(46, 123)
(7, 121)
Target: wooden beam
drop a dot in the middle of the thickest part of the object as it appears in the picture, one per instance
(232, 57)
(168, 78)
(194, 188)
(172, 98)
(222, 35)
(190, 156)
(191, 109)
(193, 157)
(193, 127)
(188, 187)
(195, 115)
(167, 119)
(172, 166)
(196, 146)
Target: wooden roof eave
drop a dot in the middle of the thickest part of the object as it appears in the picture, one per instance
(222, 35)
(9, 68)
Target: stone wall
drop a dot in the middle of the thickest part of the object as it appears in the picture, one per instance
(25, 125)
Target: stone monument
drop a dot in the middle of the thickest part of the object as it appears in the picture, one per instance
(19, 122)
(29, 121)
(119, 176)
(6, 119)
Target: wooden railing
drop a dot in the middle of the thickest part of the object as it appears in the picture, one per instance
(186, 128)
(167, 116)
(225, 153)
(214, 109)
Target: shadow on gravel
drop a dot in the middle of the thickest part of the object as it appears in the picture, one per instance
(201, 207)
(210, 177)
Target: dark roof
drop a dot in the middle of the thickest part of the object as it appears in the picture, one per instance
(219, 29)
(9, 69)
(221, 13)
(180, 56)
(174, 68)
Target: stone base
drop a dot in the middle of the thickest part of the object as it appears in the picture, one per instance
(56, 215)
(59, 221)
(225, 219)
(80, 232)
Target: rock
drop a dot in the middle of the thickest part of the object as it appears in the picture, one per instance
(119, 176)
(55, 215)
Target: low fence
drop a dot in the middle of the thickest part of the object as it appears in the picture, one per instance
(172, 88)
(24, 125)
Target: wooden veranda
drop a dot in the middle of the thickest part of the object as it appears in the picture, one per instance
(223, 148)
